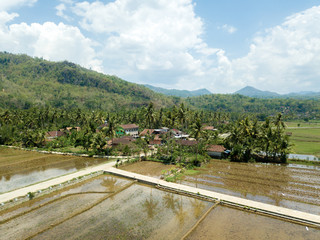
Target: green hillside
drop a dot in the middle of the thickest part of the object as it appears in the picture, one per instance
(27, 81)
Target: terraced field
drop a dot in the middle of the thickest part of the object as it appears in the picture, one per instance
(20, 168)
(109, 207)
(292, 186)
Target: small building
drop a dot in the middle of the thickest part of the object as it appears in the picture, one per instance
(123, 140)
(130, 129)
(209, 128)
(188, 143)
(54, 134)
(146, 132)
(216, 151)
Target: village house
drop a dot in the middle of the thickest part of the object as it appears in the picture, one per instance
(125, 140)
(216, 151)
(130, 129)
(54, 134)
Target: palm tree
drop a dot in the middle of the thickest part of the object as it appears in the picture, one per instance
(182, 115)
(197, 132)
(150, 116)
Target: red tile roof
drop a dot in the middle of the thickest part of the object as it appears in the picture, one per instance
(53, 134)
(124, 140)
(129, 126)
(216, 148)
(146, 132)
(187, 142)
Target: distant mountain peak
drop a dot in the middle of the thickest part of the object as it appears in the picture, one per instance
(179, 93)
(256, 93)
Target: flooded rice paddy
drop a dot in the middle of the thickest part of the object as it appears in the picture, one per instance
(20, 168)
(109, 207)
(291, 186)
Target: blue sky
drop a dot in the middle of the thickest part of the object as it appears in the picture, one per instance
(219, 45)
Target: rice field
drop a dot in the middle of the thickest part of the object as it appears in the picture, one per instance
(19, 168)
(291, 186)
(109, 207)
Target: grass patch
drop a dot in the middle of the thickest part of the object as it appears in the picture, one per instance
(305, 141)
(301, 162)
(191, 172)
(303, 124)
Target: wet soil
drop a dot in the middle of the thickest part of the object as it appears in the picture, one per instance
(138, 212)
(20, 168)
(151, 169)
(292, 186)
(227, 223)
(109, 207)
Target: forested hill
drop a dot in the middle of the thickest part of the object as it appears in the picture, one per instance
(27, 81)
(295, 108)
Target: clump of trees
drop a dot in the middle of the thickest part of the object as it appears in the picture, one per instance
(250, 140)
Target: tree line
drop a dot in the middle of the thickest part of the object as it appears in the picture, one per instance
(249, 138)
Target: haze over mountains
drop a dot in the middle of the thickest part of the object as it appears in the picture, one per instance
(256, 93)
(179, 93)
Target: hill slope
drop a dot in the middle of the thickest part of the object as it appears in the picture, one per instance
(27, 81)
(179, 93)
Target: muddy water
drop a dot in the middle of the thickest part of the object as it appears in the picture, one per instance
(227, 223)
(138, 212)
(21, 168)
(100, 184)
(292, 186)
(90, 210)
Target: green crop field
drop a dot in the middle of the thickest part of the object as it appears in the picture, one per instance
(303, 124)
(305, 140)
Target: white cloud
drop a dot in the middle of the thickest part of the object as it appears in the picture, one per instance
(228, 28)
(51, 41)
(61, 8)
(160, 42)
(6, 5)
(148, 40)
(7, 17)
(283, 58)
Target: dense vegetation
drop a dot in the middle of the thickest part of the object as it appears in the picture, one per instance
(28, 128)
(27, 82)
(262, 108)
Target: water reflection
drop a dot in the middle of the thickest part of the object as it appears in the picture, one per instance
(268, 183)
(150, 205)
(21, 168)
(198, 207)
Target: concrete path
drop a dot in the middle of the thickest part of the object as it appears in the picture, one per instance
(56, 181)
(294, 214)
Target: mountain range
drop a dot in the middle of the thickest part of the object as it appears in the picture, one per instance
(256, 93)
(178, 93)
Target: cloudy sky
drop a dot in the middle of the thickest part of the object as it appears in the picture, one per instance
(186, 44)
